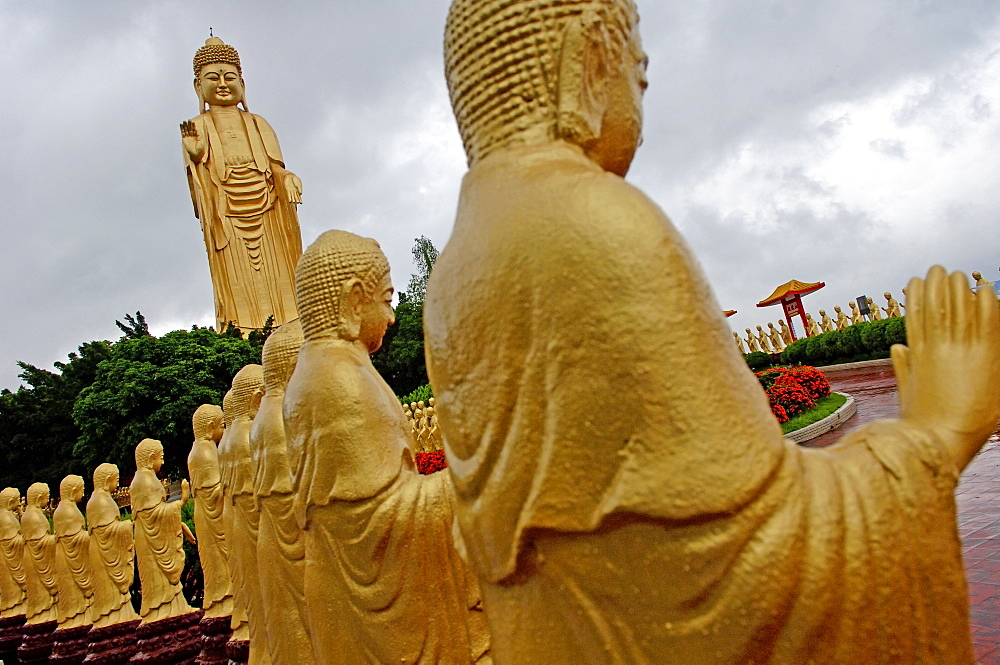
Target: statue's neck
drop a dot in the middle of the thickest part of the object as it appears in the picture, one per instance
(224, 111)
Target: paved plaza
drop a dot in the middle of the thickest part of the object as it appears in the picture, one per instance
(874, 388)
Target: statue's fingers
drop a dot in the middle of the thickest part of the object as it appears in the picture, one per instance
(935, 319)
(988, 316)
(900, 355)
(915, 305)
(962, 317)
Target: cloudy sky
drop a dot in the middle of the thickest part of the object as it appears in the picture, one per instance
(849, 141)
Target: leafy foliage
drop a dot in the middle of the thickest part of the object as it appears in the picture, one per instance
(758, 360)
(421, 394)
(862, 341)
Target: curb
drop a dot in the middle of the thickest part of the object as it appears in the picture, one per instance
(862, 363)
(831, 422)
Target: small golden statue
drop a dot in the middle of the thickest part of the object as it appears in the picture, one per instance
(243, 195)
(242, 520)
(873, 311)
(158, 536)
(826, 323)
(280, 548)
(39, 554)
(763, 340)
(856, 316)
(892, 307)
(812, 328)
(786, 333)
(73, 575)
(112, 553)
(13, 575)
(776, 341)
(648, 533)
(739, 343)
(752, 344)
(842, 320)
(978, 278)
(383, 580)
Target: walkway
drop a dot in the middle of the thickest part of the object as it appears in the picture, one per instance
(978, 496)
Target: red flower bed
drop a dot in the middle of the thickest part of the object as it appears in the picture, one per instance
(793, 390)
(431, 462)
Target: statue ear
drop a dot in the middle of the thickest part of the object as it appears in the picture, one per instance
(256, 398)
(583, 76)
(201, 96)
(352, 305)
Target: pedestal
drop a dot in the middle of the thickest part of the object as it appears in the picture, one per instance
(69, 646)
(37, 643)
(215, 634)
(112, 645)
(238, 652)
(173, 641)
(11, 634)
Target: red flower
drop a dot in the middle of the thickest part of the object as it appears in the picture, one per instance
(431, 462)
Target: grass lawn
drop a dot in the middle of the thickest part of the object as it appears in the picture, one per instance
(824, 407)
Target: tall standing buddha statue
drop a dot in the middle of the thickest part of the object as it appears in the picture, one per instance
(243, 195)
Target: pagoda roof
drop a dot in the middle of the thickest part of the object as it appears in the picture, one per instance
(728, 312)
(792, 288)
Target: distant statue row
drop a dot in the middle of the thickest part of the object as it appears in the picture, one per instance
(423, 422)
(775, 340)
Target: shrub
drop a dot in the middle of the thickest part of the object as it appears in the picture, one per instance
(848, 342)
(811, 379)
(431, 462)
(873, 337)
(795, 353)
(895, 332)
(779, 413)
(758, 360)
(768, 376)
(421, 394)
(814, 349)
(793, 398)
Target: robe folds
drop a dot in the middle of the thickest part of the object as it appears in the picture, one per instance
(112, 561)
(39, 562)
(159, 549)
(73, 575)
(206, 487)
(13, 575)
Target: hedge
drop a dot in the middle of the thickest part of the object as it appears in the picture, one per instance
(868, 340)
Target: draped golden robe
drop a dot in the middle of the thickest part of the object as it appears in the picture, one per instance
(206, 487)
(112, 558)
(13, 574)
(39, 562)
(280, 547)
(382, 577)
(675, 525)
(73, 575)
(159, 548)
(250, 229)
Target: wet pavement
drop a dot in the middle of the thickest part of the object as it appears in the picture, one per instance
(978, 497)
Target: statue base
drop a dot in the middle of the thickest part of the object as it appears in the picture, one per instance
(11, 634)
(238, 652)
(69, 646)
(37, 643)
(112, 645)
(172, 641)
(215, 634)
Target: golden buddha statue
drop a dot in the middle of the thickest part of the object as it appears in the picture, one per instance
(812, 328)
(786, 333)
(826, 323)
(39, 556)
(206, 487)
(383, 581)
(739, 343)
(159, 547)
(856, 316)
(977, 277)
(240, 515)
(892, 307)
(280, 549)
(874, 312)
(243, 195)
(112, 553)
(73, 575)
(652, 534)
(842, 320)
(752, 344)
(763, 340)
(13, 575)
(776, 341)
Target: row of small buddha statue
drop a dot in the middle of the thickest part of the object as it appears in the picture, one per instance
(423, 422)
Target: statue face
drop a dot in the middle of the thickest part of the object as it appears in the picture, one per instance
(621, 129)
(377, 316)
(219, 430)
(113, 481)
(156, 461)
(220, 84)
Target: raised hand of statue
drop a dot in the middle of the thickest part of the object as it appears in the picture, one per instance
(193, 143)
(188, 536)
(185, 491)
(294, 187)
(949, 369)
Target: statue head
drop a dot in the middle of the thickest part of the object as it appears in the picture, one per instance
(218, 76)
(760, 329)
(281, 350)
(343, 290)
(545, 70)
(976, 275)
(852, 305)
(781, 324)
(228, 413)
(248, 389)
(836, 308)
(38, 495)
(822, 312)
(10, 499)
(149, 455)
(71, 488)
(106, 477)
(207, 422)
(888, 296)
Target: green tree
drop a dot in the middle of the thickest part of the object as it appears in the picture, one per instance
(149, 387)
